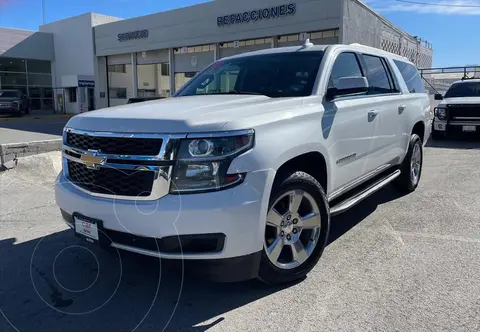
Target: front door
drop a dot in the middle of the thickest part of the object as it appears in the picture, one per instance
(349, 125)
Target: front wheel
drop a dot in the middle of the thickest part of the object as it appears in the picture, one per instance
(296, 231)
(411, 167)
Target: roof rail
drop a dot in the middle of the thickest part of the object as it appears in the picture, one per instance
(378, 49)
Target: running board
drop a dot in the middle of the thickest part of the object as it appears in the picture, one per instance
(357, 198)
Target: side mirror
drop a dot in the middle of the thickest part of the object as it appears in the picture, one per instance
(438, 96)
(348, 86)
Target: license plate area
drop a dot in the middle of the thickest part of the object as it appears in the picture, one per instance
(87, 228)
(469, 128)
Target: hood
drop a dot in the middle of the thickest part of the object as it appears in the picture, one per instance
(186, 114)
(460, 100)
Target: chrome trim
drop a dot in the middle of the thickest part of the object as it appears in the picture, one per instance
(464, 123)
(467, 118)
(357, 182)
(240, 179)
(163, 171)
(352, 201)
(160, 254)
(221, 134)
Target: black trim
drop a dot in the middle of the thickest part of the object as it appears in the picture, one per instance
(233, 269)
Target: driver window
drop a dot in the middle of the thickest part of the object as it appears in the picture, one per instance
(346, 65)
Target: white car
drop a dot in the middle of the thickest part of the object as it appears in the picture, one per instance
(459, 110)
(242, 169)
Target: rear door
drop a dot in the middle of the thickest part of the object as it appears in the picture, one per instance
(385, 101)
(349, 127)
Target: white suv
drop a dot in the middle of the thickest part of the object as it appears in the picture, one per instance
(242, 169)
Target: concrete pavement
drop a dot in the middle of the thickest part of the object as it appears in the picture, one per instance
(394, 264)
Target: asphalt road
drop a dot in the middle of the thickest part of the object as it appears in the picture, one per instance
(26, 130)
(394, 263)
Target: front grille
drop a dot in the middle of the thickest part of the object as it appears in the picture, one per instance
(464, 111)
(111, 181)
(115, 145)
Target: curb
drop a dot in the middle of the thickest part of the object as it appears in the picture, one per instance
(9, 153)
(38, 117)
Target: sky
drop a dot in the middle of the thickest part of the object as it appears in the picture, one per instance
(453, 30)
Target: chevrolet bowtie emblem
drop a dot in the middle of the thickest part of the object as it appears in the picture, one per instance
(91, 160)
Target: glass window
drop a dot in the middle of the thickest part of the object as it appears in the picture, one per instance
(464, 89)
(38, 66)
(13, 79)
(120, 84)
(12, 65)
(72, 95)
(39, 79)
(272, 75)
(411, 77)
(13, 87)
(165, 69)
(182, 78)
(346, 65)
(378, 77)
(117, 69)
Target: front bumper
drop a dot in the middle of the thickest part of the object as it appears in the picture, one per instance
(456, 127)
(237, 213)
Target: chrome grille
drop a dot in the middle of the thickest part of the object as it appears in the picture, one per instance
(112, 181)
(115, 145)
(120, 165)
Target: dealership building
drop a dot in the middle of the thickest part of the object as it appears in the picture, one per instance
(93, 61)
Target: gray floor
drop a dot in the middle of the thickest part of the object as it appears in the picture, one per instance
(394, 264)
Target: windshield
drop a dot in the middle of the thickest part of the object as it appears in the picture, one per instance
(464, 89)
(273, 75)
(8, 94)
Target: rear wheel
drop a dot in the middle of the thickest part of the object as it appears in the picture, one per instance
(296, 229)
(412, 166)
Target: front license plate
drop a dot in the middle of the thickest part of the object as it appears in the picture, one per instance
(86, 228)
(469, 128)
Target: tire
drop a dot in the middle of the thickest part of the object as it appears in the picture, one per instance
(294, 232)
(408, 180)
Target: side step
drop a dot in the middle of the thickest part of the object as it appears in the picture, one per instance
(360, 196)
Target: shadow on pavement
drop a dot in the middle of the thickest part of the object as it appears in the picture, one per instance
(467, 143)
(59, 283)
(341, 224)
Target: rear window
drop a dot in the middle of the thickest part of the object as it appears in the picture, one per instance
(411, 77)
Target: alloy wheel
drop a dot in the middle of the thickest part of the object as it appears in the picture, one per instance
(293, 229)
(416, 163)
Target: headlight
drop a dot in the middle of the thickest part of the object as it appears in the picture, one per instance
(203, 162)
(441, 113)
(16, 104)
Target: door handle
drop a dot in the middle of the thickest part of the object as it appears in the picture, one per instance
(372, 115)
(401, 108)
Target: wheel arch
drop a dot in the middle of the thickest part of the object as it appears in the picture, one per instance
(419, 129)
(312, 162)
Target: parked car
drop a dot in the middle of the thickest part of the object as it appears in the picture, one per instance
(13, 102)
(142, 99)
(459, 110)
(242, 170)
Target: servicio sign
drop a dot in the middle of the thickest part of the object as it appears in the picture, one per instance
(258, 14)
(139, 34)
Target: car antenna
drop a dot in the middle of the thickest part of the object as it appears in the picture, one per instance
(307, 43)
